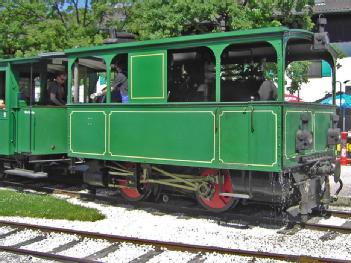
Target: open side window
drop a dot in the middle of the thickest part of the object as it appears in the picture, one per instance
(34, 80)
(191, 75)
(119, 79)
(249, 72)
(89, 80)
(2, 89)
(308, 73)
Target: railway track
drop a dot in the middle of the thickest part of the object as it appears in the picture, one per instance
(114, 242)
(229, 218)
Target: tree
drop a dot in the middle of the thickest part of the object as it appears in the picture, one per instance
(153, 19)
(31, 27)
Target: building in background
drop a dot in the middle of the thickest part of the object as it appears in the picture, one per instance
(338, 14)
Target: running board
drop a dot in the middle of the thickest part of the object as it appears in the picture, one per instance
(242, 196)
(26, 173)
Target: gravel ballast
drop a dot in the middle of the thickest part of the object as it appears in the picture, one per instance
(142, 224)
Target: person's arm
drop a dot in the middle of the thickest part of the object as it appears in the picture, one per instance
(275, 91)
(120, 79)
(55, 100)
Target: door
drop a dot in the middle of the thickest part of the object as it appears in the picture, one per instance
(5, 117)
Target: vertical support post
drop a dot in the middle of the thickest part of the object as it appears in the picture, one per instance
(108, 61)
(218, 77)
(334, 84)
(279, 47)
(43, 86)
(217, 51)
(69, 81)
(31, 96)
(76, 82)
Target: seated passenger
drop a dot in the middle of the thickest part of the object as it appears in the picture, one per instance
(267, 90)
(2, 104)
(119, 87)
(56, 92)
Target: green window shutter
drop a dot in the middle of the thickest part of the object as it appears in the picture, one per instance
(326, 69)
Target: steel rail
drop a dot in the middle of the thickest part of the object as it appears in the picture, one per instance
(175, 246)
(320, 227)
(45, 255)
(339, 213)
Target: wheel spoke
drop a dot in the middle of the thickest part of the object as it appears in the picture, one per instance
(218, 203)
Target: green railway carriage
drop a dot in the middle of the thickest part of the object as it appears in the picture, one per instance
(194, 120)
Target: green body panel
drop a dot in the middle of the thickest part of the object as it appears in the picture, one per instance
(4, 133)
(249, 136)
(201, 135)
(320, 122)
(42, 130)
(147, 76)
(7, 116)
(163, 134)
(87, 131)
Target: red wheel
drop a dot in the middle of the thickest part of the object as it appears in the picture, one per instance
(133, 194)
(215, 202)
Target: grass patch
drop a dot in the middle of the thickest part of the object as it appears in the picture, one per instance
(14, 203)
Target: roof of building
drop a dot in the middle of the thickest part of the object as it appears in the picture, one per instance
(332, 6)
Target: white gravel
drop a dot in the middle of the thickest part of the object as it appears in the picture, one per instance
(5, 229)
(13, 258)
(142, 224)
(172, 256)
(126, 253)
(85, 248)
(56, 239)
(215, 258)
(18, 237)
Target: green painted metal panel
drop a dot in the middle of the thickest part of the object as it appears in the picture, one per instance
(167, 134)
(23, 131)
(199, 136)
(42, 130)
(248, 132)
(322, 122)
(4, 133)
(147, 76)
(319, 125)
(232, 140)
(292, 123)
(87, 132)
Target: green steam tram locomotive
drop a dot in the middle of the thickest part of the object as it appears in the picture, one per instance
(197, 118)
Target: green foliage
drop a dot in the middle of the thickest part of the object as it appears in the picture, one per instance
(43, 206)
(32, 27)
(153, 19)
(297, 72)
